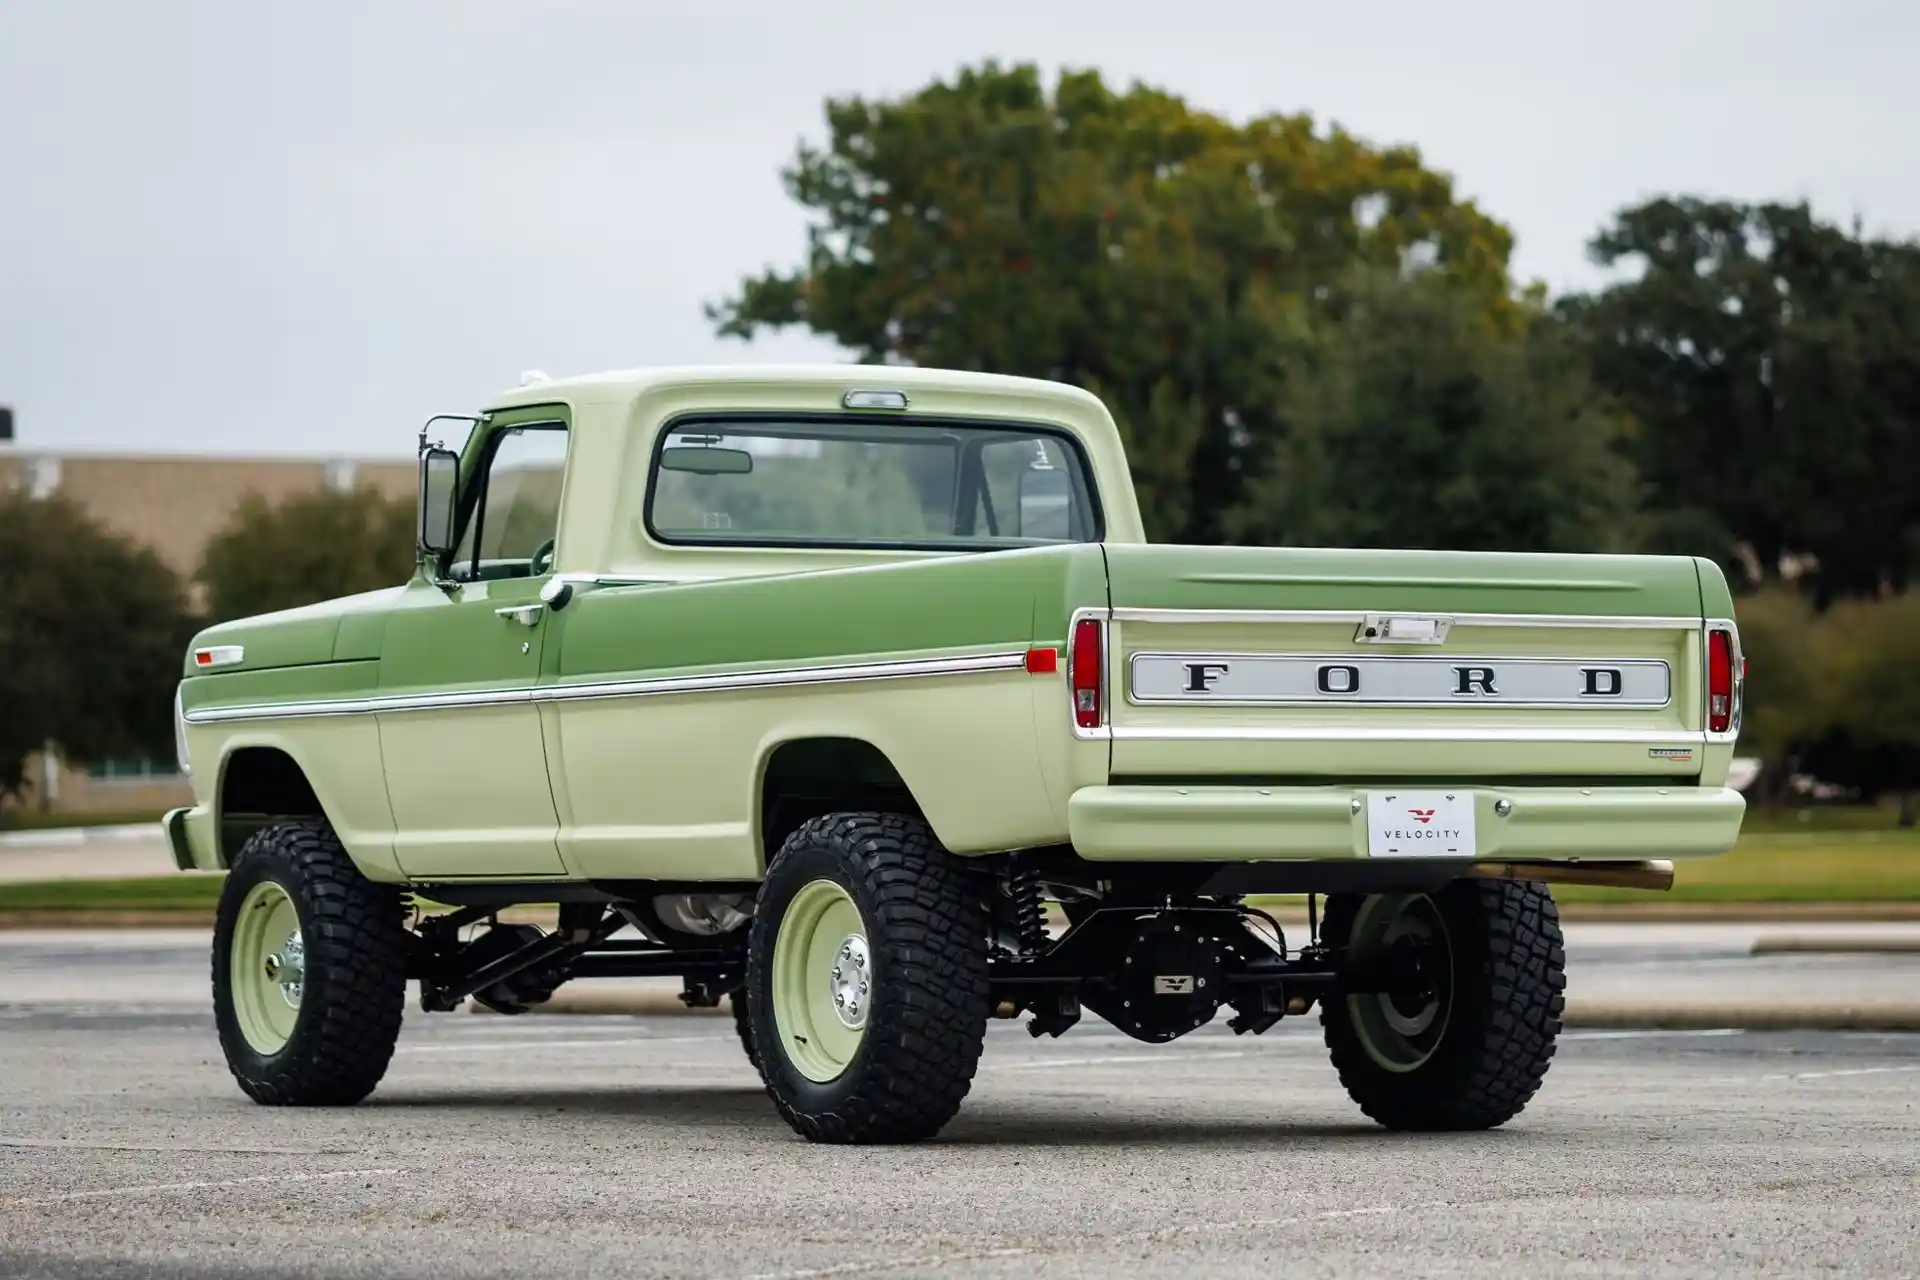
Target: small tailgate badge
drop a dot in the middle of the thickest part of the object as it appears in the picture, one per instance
(1391, 628)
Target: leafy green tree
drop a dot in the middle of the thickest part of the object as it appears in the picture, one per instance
(311, 547)
(1773, 361)
(92, 636)
(1413, 419)
(1160, 256)
(1788, 700)
(1874, 649)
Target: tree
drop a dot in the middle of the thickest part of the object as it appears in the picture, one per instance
(311, 547)
(92, 637)
(1774, 363)
(1414, 420)
(1875, 670)
(1164, 258)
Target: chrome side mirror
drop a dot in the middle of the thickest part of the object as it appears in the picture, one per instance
(439, 496)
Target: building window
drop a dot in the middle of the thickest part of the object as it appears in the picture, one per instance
(132, 769)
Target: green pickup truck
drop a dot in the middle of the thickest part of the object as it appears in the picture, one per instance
(857, 696)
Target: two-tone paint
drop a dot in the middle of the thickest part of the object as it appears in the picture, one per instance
(475, 732)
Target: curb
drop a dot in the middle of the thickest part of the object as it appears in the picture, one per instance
(1749, 1015)
(1739, 912)
(58, 918)
(1899, 1015)
(1893, 944)
(56, 837)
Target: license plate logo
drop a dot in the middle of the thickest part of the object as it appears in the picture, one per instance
(1420, 824)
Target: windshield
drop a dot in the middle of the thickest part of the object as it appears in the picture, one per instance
(921, 485)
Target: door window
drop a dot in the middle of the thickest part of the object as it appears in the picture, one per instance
(511, 529)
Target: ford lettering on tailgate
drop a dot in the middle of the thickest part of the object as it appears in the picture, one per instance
(1267, 679)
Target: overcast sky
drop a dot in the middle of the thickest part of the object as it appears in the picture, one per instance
(240, 225)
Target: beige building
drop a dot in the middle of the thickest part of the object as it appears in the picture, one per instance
(174, 504)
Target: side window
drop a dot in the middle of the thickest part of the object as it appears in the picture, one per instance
(510, 531)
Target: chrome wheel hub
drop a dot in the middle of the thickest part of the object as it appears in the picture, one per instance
(850, 981)
(287, 969)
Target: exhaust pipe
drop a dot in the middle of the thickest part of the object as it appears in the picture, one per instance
(1649, 873)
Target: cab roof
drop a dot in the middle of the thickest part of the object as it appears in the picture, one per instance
(627, 384)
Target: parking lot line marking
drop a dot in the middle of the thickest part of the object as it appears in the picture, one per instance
(1852, 1071)
(1650, 1033)
(170, 1148)
(159, 1188)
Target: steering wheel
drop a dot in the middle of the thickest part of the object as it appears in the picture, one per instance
(542, 559)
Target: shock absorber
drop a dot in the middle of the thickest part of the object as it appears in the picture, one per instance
(1029, 911)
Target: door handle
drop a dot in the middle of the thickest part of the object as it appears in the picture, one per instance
(527, 615)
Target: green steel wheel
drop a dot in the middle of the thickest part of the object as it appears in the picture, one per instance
(1400, 1028)
(309, 970)
(267, 968)
(867, 979)
(1474, 977)
(822, 980)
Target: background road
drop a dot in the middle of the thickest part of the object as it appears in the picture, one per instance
(644, 1146)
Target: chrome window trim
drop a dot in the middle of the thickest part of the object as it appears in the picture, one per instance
(782, 677)
(1359, 616)
(1434, 659)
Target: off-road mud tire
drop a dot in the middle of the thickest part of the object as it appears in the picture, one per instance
(743, 1027)
(1509, 983)
(927, 930)
(355, 990)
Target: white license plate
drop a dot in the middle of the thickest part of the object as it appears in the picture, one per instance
(1420, 824)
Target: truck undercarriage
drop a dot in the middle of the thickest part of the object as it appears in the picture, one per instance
(1156, 949)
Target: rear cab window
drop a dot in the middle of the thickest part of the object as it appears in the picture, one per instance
(885, 484)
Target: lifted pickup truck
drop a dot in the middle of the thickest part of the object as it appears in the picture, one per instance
(858, 696)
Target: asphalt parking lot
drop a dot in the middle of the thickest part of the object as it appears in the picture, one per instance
(644, 1146)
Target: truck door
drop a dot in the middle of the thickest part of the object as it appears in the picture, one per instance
(465, 763)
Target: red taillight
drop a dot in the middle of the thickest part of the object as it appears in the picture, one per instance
(1720, 684)
(1084, 674)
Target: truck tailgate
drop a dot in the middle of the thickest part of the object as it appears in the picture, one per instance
(1255, 662)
